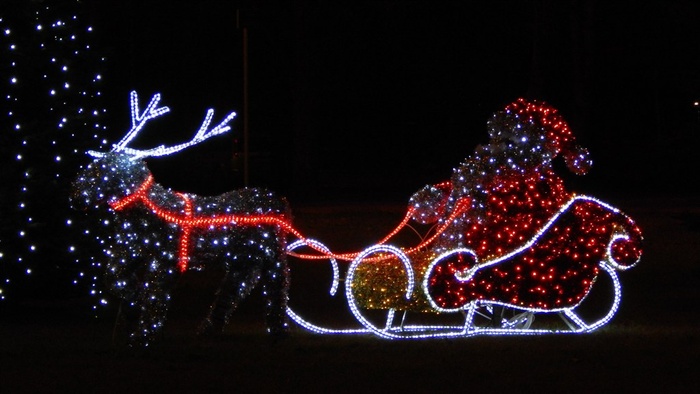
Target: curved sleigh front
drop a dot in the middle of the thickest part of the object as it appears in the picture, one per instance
(555, 270)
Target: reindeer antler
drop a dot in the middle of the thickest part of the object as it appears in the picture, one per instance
(138, 120)
(201, 135)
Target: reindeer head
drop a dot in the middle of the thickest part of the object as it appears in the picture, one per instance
(118, 173)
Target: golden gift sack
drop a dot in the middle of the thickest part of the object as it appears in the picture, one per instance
(382, 284)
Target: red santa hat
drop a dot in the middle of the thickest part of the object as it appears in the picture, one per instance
(558, 137)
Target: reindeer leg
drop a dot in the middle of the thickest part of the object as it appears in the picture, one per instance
(276, 295)
(235, 287)
(152, 301)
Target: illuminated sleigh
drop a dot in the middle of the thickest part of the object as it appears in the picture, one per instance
(550, 274)
(526, 264)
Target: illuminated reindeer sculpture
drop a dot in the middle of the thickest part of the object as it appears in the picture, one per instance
(156, 234)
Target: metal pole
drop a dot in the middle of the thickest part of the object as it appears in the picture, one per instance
(244, 31)
(245, 107)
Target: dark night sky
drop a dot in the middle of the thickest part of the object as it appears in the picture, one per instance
(370, 100)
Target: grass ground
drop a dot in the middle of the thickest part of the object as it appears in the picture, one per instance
(652, 345)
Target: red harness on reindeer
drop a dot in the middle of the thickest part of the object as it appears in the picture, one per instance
(188, 221)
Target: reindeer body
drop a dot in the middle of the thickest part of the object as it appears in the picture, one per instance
(154, 234)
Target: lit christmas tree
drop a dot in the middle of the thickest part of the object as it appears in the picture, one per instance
(53, 113)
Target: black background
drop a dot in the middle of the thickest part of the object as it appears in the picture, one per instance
(369, 101)
(365, 102)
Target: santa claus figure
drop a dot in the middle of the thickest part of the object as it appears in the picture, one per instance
(510, 182)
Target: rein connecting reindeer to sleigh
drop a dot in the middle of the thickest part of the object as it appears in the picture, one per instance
(508, 242)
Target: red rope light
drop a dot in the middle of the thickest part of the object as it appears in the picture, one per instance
(138, 194)
(189, 221)
(462, 206)
(184, 257)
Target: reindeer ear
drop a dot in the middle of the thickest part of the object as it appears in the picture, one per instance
(95, 154)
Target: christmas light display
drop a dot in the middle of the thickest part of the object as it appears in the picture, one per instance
(52, 112)
(509, 242)
(156, 233)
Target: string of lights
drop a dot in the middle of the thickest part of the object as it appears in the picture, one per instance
(52, 84)
(507, 236)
